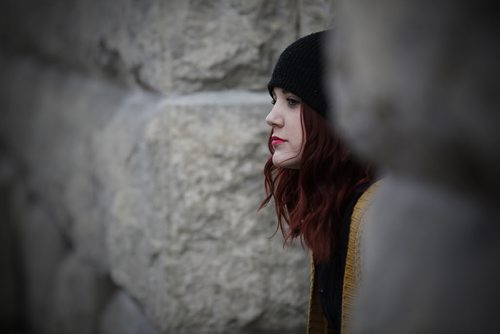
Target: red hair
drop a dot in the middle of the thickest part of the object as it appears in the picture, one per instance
(310, 202)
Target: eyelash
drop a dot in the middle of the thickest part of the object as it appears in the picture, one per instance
(291, 102)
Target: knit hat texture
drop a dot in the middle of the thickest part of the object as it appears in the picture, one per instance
(299, 70)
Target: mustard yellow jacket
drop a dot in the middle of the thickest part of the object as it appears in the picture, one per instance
(317, 322)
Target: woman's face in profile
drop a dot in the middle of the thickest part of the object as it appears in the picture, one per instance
(285, 119)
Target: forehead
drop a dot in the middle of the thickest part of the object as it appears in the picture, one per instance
(283, 91)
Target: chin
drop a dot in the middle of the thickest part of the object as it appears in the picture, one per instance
(290, 163)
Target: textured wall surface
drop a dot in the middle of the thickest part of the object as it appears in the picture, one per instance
(156, 196)
(173, 47)
(419, 94)
(132, 139)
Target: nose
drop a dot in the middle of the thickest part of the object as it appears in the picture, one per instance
(273, 118)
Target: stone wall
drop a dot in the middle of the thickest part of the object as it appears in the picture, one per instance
(133, 141)
(172, 47)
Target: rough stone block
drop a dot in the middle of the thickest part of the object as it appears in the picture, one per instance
(168, 187)
(50, 116)
(315, 15)
(185, 238)
(165, 46)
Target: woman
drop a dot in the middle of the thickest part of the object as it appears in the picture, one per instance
(315, 181)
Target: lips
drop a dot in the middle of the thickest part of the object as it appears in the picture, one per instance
(275, 141)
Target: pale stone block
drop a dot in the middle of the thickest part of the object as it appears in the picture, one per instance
(185, 238)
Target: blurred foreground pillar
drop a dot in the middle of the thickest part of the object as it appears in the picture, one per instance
(416, 87)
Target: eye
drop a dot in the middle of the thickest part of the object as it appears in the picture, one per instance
(292, 102)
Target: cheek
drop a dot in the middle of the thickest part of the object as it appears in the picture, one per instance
(298, 139)
(296, 145)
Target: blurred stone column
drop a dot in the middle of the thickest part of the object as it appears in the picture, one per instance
(416, 86)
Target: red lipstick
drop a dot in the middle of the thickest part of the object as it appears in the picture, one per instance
(275, 141)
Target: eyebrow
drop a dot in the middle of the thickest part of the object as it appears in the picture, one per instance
(285, 92)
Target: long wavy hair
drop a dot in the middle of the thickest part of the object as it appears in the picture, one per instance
(310, 202)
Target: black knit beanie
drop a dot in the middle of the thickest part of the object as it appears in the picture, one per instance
(299, 70)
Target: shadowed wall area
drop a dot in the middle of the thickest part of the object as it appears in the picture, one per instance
(132, 142)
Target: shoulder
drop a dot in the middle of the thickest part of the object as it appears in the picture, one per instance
(358, 220)
(360, 216)
(364, 201)
(353, 270)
